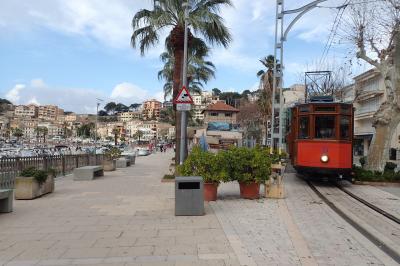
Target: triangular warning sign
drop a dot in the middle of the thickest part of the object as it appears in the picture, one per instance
(183, 96)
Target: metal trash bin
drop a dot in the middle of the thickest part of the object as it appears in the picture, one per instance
(189, 196)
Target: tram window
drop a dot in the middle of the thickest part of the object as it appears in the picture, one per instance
(304, 109)
(325, 109)
(344, 127)
(346, 109)
(325, 127)
(303, 127)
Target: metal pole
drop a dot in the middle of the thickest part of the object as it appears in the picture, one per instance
(281, 86)
(95, 132)
(274, 80)
(182, 154)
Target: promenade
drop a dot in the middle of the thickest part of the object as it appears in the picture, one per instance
(127, 218)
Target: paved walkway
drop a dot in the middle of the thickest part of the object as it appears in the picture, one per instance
(124, 218)
(300, 230)
(127, 218)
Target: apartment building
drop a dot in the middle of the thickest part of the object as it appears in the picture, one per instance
(129, 116)
(27, 111)
(220, 112)
(200, 102)
(369, 91)
(49, 112)
(151, 109)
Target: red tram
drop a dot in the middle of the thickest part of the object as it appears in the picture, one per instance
(321, 138)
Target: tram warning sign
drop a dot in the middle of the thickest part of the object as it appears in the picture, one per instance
(183, 97)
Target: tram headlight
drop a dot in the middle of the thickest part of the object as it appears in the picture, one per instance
(324, 158)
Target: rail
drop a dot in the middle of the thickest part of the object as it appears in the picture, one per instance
(62, 164)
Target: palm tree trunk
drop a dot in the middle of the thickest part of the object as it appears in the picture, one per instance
(177, 41)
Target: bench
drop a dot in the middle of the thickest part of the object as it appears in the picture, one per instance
(6, 194)
(123, 163)
(130, 156)
(88, 172)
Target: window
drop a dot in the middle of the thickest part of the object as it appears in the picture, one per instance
(325, 127)
(345, 127)
(303, 127)
(228, 114)
(346, 109)
(304, 109)
(213, 114)
(325, 109)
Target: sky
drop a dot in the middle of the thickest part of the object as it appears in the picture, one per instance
(71, 52)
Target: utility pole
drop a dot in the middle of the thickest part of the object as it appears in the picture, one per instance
(278, 49)
(182, 153)
(97, 118)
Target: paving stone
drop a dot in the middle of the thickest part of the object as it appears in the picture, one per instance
(86, 253)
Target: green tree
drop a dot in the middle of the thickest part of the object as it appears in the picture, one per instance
(86, 130)
(216, 92)
(110, 107)
(200, 71)
(169, 14)
(116, 132)
(120, 107)
(266, 86)
(134, 106)
(17, 132)
(138, 135)
(41, 132)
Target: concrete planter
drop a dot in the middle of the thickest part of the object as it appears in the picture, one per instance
(29, 188)
(109, 165)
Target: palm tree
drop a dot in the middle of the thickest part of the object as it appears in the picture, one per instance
(169, 14)
(17, 132)
(41, 131)
(266, 86)
(199, 70)
(116, 133)
(138, 135)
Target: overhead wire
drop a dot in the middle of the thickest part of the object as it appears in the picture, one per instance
(334, 29)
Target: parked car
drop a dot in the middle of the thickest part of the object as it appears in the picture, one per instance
(143, 152)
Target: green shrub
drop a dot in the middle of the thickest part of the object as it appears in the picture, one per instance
(28, 172)
(169, 177)
(113, 153)
(390, 167)
(248, 165)
(375, 176)
(363, 161)
(204, 164)
(39, 175)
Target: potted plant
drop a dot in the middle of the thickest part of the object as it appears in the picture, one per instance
(208, 166)
(109, 163)
(250, 167)
(33, 183)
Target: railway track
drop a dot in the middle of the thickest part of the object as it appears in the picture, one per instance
(380, 227)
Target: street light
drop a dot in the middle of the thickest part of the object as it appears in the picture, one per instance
(182, 147)
(279, 27)
(95, 131)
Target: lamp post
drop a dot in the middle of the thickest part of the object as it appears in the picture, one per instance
(282, 33)
(182, 154)
(97, 118)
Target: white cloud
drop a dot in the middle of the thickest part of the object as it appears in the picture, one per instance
(80, 100)
(38, 83)
(14, 94)
(33, 101)
(128, 93)
(101, 20)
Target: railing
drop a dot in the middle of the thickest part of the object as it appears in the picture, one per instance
(62, 164)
